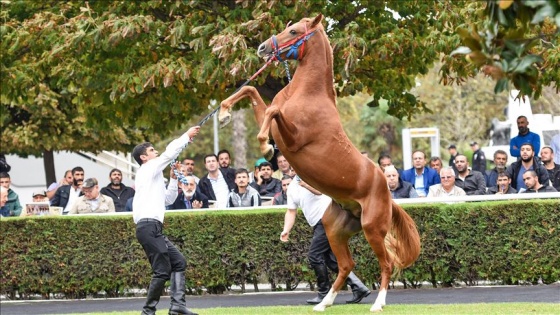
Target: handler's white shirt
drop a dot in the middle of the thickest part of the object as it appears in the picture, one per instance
(313, 206)
(151, 196)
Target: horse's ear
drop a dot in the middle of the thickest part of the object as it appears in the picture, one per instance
(317, 20)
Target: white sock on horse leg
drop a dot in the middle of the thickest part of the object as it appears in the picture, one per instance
(327, 301)
(379, 301)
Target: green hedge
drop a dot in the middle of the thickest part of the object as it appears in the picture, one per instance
(507, 242)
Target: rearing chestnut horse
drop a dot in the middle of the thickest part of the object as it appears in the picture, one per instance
(304, 122)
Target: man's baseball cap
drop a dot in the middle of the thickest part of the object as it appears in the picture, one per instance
(89, 183)
(452, 146)
(39, 193)
(473, 143)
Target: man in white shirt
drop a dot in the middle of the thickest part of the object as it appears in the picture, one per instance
(218, 182)
(314, 204)
(148, 211)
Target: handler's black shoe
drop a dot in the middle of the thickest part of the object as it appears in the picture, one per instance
(358, 296)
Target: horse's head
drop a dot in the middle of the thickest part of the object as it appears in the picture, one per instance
(291, 42)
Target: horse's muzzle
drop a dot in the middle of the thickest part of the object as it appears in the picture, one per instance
(263, 50)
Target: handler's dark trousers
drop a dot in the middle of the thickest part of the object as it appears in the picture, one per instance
(163, 256)
(320, 257)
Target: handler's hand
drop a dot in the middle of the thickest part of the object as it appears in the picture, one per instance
(284, 236)
(193, 131)
(176, 166)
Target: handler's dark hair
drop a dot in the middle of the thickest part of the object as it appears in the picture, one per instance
(140, 150)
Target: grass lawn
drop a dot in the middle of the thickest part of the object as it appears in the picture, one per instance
(416, 309)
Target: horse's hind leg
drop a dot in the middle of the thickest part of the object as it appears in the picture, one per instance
(339, 225)
(376, 221)
(247, 91)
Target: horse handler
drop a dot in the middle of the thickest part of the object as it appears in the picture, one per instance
(314, 204)
(148, 210)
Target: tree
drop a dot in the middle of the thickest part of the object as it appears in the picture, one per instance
(517, 45)
(108, 74)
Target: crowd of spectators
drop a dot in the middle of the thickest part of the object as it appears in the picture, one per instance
(223, 186)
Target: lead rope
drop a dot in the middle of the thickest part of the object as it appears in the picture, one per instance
(180, 177)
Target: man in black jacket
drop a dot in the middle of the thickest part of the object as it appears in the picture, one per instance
(218, 182)
(119, 192)
(471, 181)
(398, 187)
(265, 184)
(553, 169)
(527, 162)
(66, 194)
(500, 161)
(478, 159)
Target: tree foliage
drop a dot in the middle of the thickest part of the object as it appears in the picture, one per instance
(105, 75)
(108, 74)
(516, 42)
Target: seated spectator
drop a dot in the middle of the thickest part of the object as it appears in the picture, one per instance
(3, 200)
(283, 167)
(218, 182)
(281, 198)
(66, 195)
(420, 176)
(553, 169)
(502, 186)
(224, 158)
(447, 186)
(533, 186)
(189, 197)
(243, 195)
(527, 162)
(119, 192)
(92, 201)
(66, 180)
(253, 174)
(12, 208)
(398, 187)
(472, 182)
(265, 184)
(500, 161)
(188, 169)
(384, 160)
(40, 196)
(436, 163)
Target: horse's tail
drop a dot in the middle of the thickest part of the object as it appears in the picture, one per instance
(403, 241)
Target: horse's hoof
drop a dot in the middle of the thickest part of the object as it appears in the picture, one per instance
(319, 308)
(270, 153)
(375, 308)
(224, 120)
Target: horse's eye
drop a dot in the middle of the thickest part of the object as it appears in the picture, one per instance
(293, 32)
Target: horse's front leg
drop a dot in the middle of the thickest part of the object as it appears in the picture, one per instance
(247, 91)
(267, 149)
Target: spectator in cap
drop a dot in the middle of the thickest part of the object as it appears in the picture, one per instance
(452, 155)
(92, 201)
(478, 158)
(40, 196)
